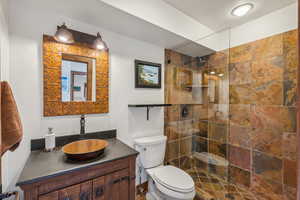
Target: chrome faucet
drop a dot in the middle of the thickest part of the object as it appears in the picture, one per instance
(82, 125)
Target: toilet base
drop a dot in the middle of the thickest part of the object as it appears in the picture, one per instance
(153, 193)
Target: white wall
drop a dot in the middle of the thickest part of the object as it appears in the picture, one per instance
(4, 41)
(4, 61)
(27, 26)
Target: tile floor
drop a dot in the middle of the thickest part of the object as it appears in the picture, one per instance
(211, 187)
(140, 197)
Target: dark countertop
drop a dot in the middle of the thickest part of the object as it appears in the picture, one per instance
(41, 165)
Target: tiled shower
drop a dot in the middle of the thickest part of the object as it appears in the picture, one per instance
(232, 123)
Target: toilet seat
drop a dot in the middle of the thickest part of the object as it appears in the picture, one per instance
(172, 182)
(174, 179)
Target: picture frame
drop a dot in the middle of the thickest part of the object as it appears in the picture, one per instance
(147, 74)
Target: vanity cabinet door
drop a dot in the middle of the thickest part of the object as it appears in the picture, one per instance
(117, 185)
(81, 191)
(99, 188)
(86, 190)
(49, 196)
(69, 193)
(124, 185)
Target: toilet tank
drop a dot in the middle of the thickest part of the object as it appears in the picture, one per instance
(152, 150)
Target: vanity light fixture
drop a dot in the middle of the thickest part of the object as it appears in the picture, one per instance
(212, 72)
(99, 43)
(64, 35)
(221, 75)
(242, 10)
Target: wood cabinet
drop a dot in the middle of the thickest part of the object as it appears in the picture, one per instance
(109, 181)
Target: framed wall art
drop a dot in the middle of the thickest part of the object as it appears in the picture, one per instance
(147, 74)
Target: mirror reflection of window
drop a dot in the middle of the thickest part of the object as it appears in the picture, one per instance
(78, 79)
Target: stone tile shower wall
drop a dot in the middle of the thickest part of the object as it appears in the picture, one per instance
(262, 136)
(249, 121)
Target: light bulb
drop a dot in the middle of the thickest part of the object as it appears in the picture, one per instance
(99, 46)
(242, 10)
(63, 39)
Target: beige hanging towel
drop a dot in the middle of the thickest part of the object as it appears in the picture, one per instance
(11, 126)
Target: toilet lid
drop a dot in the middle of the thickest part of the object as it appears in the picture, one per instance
(174, 179)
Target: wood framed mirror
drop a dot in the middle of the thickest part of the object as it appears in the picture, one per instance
(75, 77)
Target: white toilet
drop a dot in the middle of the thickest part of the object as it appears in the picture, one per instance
(164, 182)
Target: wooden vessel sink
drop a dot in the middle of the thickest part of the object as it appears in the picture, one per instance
(85, 149)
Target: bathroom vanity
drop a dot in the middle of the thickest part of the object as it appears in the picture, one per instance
(50, 176)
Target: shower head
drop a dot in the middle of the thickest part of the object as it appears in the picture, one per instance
(201, 61)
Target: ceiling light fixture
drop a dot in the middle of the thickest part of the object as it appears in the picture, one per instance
(64, 35)
(242, 10)
(99, 43)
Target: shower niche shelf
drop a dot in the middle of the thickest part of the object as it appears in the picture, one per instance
(147, 106)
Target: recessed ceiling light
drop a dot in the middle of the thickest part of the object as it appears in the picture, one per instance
(242, 10)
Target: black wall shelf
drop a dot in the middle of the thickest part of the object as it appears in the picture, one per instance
(148, 106)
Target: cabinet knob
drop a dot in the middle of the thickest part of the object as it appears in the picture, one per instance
(99, 191)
